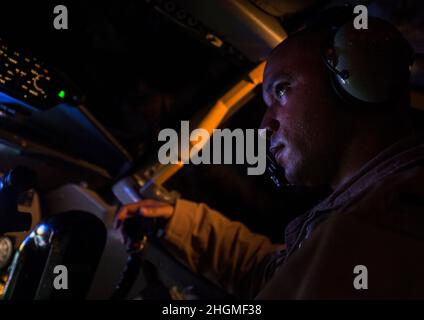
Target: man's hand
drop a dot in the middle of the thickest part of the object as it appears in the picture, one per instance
(144, 208)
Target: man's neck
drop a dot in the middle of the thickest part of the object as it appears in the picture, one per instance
(366, 143)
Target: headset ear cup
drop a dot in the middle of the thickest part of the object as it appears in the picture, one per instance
(370, 64)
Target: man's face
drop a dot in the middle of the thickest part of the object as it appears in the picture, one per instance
(302, 112)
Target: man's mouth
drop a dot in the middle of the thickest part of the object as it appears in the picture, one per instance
(275, 150)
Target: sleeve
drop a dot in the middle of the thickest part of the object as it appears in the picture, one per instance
(222, 250)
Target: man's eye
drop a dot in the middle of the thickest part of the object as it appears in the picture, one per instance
(281, 90)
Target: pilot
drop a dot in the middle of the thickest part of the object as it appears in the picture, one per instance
(339, 115)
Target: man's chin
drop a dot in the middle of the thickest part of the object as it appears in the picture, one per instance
(291, 178)
(295, 178)
(294, 172)
(299, 181)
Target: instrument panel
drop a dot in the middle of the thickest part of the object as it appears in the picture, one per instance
(27, 79)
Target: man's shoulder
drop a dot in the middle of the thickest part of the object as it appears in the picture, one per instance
(406, 186)
(395, 202)
(409, 180)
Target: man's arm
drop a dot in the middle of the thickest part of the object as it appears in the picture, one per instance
(222, 250)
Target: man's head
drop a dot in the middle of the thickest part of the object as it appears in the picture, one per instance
(302, 110)
(312, 127)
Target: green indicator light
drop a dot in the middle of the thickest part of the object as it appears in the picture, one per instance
(61, 94)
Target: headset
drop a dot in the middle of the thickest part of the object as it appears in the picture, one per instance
(366, 66)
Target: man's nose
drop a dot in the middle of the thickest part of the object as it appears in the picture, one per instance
(269, 123)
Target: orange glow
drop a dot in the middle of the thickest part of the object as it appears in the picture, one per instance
(228, 103)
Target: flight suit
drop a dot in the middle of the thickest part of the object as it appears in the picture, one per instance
(374, 223)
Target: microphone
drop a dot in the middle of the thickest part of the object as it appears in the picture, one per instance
(275, 171)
